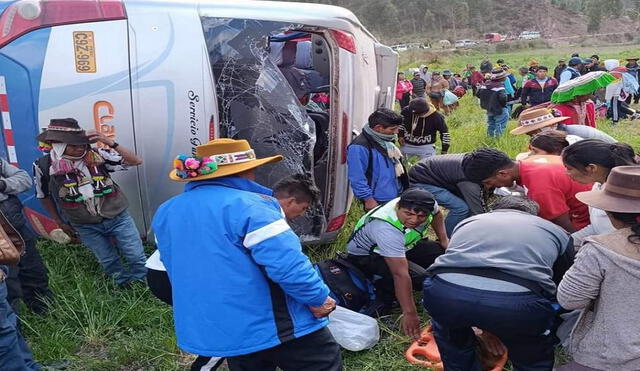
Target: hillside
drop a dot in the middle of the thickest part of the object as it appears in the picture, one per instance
(430, 20)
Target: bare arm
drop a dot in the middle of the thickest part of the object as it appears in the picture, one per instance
(438, 226)
(399, 268)
(128, 156)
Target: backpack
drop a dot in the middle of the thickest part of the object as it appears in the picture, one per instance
(347, 284)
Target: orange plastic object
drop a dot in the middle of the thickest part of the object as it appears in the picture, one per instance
(427, 349)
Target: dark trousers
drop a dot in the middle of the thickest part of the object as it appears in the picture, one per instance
(404, 101)
(420, 258)
(522, 320)
(29, 279)
(636, 98)
(317, 351)
(160, 287)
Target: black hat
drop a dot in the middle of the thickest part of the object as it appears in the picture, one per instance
(64, 131)
(419, 106)
(418, 199)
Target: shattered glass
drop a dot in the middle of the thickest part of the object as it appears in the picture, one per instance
(257, 103)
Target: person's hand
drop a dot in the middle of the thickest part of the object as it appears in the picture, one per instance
(492, 343)
(411, 325)
(444, 244)
(370, 204)
(96, 136)
(327, 307)
(66, 228)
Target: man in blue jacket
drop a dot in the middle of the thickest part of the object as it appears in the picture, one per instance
(375, 165)
(243, 289)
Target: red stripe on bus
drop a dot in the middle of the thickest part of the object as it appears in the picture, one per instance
(4, 103)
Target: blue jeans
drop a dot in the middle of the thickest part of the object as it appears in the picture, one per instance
(496, 124)
(15, 354)
(458, 208)
(123, 232)
(521, 320)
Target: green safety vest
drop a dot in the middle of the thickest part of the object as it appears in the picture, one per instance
(387, 213)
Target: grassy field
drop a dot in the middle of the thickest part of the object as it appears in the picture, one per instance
(100, 327)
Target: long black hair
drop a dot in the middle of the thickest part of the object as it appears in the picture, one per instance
(632, 220)
(594, 151)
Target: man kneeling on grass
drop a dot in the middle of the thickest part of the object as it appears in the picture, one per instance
(390, 242)
(499, 274)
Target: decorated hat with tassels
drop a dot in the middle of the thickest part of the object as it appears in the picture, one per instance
(216, 159)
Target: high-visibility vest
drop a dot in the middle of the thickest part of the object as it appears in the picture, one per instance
(387, 213)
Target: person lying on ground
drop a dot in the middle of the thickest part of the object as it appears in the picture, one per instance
(390, 242)
(604, 281)
(535, 120)
(548, 143)
(443, 176)
(498, 274)
(590, 162)
(374, 162)
(546, 183)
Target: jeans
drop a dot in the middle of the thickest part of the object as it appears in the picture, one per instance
(317, 351)
(496, 124)
(458, 208)
(122, 230)
(15, 354)
(521, 320)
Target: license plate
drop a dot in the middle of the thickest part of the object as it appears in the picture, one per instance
(85, 50)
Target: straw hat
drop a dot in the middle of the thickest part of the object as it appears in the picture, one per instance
(216, 159)
(633, 58)
(64, 131)
(620, 194)
(535, 119)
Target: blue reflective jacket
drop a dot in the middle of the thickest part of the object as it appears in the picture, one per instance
(219, 241)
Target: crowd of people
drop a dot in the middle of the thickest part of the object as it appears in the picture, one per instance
(504, 93)
(496, 244)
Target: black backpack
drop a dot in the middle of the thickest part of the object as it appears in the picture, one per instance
(348, 285)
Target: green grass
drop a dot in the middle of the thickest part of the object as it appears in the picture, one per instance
(100, 327)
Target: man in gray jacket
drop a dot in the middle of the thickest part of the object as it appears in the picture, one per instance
(498, 274)
(28, 280)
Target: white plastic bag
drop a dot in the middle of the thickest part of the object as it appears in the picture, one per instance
(449, 98)
(352, 330)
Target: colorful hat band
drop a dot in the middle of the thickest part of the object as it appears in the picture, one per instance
(62, 128)
(194, 166)
(536, 120)
(234, 157)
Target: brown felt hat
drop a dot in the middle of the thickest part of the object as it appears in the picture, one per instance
(64, 131)
(534, 119)
(620, 194)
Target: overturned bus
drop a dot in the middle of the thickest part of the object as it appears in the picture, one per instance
(163, 77)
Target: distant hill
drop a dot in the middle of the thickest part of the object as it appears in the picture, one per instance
(430, 20)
